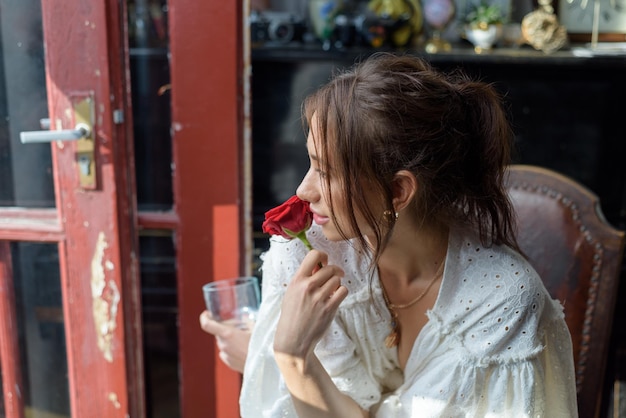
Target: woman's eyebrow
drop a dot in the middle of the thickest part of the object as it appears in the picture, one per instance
(314, 157)
(311, 155)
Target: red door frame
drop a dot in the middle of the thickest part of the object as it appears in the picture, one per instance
(207, 77)
(9, 349)
(94, 229)
(100, 248)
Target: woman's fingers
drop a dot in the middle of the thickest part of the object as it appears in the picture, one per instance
(312, 262)
(211, 326)
(320, 283)
(232, 342)
(233, 346)
(310, 268)
(334, 290)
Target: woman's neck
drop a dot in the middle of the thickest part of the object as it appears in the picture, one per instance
(413, 254)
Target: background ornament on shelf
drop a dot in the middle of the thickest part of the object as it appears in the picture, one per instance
(321, 16)
(541, 29)
(404, 19)
(484, 26)
(438, 14)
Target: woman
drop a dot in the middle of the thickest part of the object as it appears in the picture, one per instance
(424, 306)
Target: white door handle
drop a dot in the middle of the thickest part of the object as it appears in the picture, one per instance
(82, 130)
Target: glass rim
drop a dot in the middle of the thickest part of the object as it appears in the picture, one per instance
(230, 282)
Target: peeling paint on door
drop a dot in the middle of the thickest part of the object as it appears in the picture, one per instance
(114, 400)
(106, 297)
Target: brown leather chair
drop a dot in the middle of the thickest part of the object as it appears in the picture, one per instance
(564, 234)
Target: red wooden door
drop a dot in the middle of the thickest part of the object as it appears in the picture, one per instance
(71, 318)
(72, 222)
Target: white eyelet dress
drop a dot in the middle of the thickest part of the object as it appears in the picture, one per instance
(495, 345)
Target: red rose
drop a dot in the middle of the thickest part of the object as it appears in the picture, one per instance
(290, 220)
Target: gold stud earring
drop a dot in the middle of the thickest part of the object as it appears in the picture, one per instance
(387, 215)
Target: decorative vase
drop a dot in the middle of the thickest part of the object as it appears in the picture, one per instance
(483, 39)
(438, 14)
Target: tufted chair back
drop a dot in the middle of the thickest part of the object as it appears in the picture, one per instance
(562, 231)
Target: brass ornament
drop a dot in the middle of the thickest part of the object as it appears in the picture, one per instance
(541, 29)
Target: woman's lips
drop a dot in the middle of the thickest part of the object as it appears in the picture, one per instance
(319, 219)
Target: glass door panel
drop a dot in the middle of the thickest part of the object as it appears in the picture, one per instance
(25, 170)
(160, 323)
(150, 78)
(150, 93)
(149, 70)
(41, 331)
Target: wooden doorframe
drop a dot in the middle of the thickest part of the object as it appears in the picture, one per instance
(9, 348)
(209, 153)
(94, 228)
(98, 256)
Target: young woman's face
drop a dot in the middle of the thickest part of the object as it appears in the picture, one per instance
(313, 189)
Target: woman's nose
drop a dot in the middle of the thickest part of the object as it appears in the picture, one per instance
(306, 189)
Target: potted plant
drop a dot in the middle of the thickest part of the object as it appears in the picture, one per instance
(484, 26)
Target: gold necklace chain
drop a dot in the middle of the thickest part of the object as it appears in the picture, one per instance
(421, 295)
(393, 339)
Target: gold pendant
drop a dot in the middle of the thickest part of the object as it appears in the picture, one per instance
(392, 339)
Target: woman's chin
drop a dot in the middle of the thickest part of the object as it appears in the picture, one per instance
(332, 234)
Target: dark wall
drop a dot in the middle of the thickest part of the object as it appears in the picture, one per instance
(568, 114)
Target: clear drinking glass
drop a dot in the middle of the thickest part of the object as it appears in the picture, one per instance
(234, 301)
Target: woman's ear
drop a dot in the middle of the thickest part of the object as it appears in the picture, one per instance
(404, 189)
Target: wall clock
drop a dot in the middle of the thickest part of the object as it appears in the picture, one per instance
(577, 16)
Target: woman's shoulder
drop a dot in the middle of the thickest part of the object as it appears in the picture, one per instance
(493, 299)
(485, 268)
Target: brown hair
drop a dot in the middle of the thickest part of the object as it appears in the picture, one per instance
(394, 112)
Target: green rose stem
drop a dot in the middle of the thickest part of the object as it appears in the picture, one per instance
(302, 237)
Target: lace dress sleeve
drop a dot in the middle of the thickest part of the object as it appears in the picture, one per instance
(264, 393)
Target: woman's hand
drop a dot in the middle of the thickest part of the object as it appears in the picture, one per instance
(232, 342)
(309, 305)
